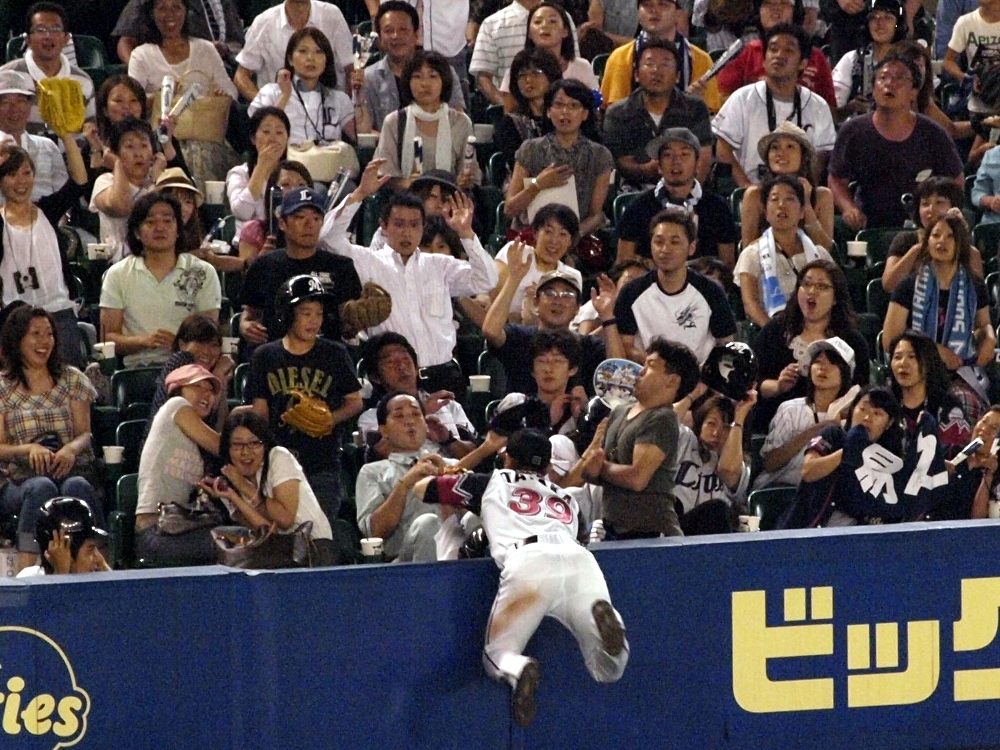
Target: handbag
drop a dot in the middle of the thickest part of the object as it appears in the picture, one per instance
(205, 119)
(323, 162)
(201, 512)
(264, 548)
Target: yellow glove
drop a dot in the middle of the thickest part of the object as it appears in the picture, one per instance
(61, 105)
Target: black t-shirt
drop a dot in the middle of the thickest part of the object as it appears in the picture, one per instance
(903, 295)
(774, 355)
(715, 223)
(885, 170)
(516, 359)
(268, 272)
(325, 372)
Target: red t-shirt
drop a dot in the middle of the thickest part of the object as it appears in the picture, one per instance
(748, 67)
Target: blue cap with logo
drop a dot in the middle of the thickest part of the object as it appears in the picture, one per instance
(304, 197)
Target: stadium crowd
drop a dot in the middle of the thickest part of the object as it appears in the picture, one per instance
(274, 298)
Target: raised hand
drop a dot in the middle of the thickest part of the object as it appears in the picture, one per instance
(458, 211)
(370, 182)
(284, 80)
(604, 296)
(437, 400)
(518, 261)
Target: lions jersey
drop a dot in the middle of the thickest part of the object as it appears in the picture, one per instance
(513, 505)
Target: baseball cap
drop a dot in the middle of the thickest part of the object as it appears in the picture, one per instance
(837, 345)
(15, 82)
(441, 177)
(189, 375)
(559, 275)
(299, 198)
(530, 447)
(672, 135)
(175, 177)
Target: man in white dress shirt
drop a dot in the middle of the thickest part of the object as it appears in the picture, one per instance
(17, 95)
(268, 35)
(421, 284)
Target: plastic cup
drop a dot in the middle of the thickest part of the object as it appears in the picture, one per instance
(994, 508)
(479, 383)
(749, 523)
(113, 454)
(105, 350)
(215, 192)
(230, 344)
(371, 549)
(856, 249)
(367, 140)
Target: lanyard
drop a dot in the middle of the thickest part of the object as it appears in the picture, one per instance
(772, 117)
(321, 116)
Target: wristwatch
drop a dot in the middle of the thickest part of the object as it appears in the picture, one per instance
(533, 182)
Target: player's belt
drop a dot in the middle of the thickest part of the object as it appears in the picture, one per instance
(547, 538)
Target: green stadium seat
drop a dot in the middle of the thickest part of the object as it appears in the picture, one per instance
(598, 64)
(129, 436)
(240, 380)
(496, 170)
(879, 241)
(987, 238)
(488, 364)
(736, 204)
(121, 522)
(134, 386)
(621, 203)
(877, 299)
(769, 503)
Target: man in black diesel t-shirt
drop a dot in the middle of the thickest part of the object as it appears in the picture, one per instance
(301, 221)
(302, 363)
(677, 152)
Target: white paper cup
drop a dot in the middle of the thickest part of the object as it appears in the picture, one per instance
(105, 350)
(749, 523)
(479, 383)
(856, 249)
(230, 344)
(220, 247)
(371, 546)
(215, 192)
(483, 132)
(367, 140)
(994, 508)
(97, 251)
(113, 454)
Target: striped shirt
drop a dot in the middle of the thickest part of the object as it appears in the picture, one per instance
(502, 36)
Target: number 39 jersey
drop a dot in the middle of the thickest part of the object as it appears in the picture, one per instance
(514, 506)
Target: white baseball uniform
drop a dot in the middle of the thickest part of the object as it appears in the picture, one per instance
(532, 525)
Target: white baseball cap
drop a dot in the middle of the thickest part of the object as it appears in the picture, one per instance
(15, 82)
(837, 345)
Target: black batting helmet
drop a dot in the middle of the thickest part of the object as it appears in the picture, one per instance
(295, 291)
(731, 369)
(70, 516)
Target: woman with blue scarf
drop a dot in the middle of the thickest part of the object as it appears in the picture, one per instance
(948, 302)
(768, 270)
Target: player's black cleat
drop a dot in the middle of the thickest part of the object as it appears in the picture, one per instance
(612, 632)
(523, 698)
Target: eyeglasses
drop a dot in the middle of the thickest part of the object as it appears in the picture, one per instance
(571, 106)
(819, 286)
(529, 73)
(556, 294)
(253, 446)
(43, 30)
(655, 65)
(884, 76)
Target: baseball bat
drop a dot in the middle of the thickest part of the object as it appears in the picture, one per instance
(734, 49)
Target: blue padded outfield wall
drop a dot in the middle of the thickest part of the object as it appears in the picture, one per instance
(870, 638)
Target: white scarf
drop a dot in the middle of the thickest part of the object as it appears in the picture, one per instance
(774, 297)
(442, 150)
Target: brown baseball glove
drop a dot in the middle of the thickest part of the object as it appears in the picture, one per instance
(372, 308)
(61, 104)
(308, 414)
